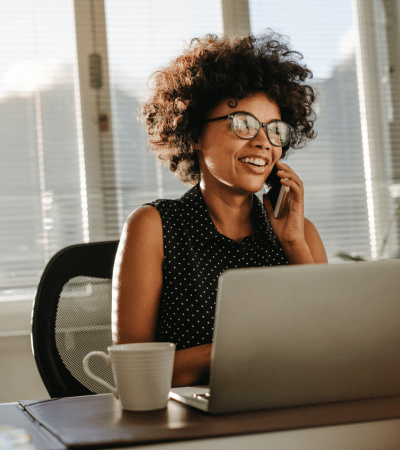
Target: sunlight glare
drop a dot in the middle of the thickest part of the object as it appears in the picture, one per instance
(25, 78)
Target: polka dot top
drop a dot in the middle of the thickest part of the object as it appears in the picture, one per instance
(195, 255)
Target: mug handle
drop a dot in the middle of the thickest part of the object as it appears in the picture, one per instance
(89, 373)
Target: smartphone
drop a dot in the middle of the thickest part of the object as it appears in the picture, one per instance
(276, 192)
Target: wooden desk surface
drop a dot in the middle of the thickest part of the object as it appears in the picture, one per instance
(348, 425)
(381, 435)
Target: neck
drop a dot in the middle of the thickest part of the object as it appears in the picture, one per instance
(229, 211)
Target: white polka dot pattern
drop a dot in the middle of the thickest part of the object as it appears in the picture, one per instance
(195, 255)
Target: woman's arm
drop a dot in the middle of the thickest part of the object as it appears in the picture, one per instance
(299, 238)
(311, 250)
(137, 284)
(192, 366)
(137, 277)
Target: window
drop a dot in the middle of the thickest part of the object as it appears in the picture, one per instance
(346, 174)
(143, 36)
(74, 161)
(40, 186)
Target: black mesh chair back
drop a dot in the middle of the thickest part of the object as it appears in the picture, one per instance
(72, 317)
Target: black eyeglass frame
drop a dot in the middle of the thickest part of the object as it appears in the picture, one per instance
(262, 125)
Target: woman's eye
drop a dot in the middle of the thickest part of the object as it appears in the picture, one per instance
(242, 124)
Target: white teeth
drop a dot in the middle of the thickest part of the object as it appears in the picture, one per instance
(255, 161)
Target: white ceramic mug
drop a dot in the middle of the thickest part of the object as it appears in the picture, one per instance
(142, 373)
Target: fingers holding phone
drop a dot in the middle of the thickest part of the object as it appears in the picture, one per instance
(290, 179)
(298, 236)
(277, 195)
(284, 202)
(277, 192)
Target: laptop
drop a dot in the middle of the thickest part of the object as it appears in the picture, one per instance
(305, 334)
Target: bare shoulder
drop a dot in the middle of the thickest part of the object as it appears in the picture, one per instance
(142, 233)
(142, 217)
(144, 223)
(314, 242)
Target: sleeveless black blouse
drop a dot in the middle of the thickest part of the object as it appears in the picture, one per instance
(195, 254)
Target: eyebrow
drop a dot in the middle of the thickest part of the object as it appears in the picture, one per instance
(251, 114)
(243, 112)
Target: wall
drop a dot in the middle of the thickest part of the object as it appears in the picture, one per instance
(19, 377)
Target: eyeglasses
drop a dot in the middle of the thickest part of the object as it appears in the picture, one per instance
(246, 126)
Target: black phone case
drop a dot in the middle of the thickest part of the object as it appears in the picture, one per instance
(274, 183)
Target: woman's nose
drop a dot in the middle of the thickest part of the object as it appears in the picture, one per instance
(261, 139)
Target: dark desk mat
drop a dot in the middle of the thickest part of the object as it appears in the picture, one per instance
(14, 416)
(98, 420)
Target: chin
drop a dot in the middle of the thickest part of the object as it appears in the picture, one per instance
(250, 188)
(255, 185)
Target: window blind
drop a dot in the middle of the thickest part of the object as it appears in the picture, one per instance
(40, 198)
(143, 36)
(332, 166)
(42, 179)
(392, 24)
(377, 55)
(51, 193)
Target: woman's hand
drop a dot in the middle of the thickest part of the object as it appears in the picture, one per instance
(289, 227)
(192, 366)
(298, 236)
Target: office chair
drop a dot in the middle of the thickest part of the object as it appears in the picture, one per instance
(72, 317)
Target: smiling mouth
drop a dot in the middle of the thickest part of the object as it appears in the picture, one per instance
(258, 162)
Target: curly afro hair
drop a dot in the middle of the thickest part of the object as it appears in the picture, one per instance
(213, 69)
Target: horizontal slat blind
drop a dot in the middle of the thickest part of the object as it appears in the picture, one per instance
(332, 165)
(40, 198)
(392, 13)
(143, 36)
(378, 71)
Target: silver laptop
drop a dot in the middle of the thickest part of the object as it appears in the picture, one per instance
(296, 335)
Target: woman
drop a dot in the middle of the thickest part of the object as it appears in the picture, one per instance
(222, 116)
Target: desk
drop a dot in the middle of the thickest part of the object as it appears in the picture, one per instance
(382, 435)
(288, 427)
